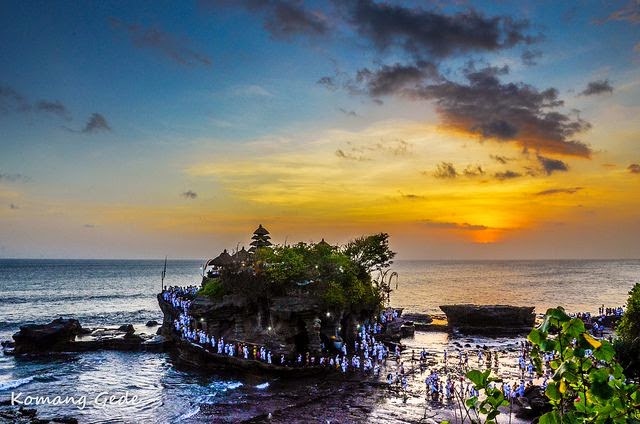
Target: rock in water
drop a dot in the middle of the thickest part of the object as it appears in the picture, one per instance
(490, 319)
(152, 323)
(35, 338)
(127, 328)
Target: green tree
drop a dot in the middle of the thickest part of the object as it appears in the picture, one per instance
(628, 331)
(371, 253)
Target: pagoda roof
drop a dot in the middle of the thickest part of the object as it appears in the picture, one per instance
(222, 259)
(242, 255)
(261, 231)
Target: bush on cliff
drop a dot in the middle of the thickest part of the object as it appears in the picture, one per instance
(212, 288)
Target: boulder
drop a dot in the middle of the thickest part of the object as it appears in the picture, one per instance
(127, 328)
(490, 319)
(35, 338)
(533, 404)
(152, 323)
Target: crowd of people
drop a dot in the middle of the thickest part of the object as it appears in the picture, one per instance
(444, 382)
(368, 355)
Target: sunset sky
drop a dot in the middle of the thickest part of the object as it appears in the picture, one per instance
(466, 130)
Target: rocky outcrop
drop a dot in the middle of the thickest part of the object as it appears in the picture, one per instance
(533, 404)
(490, 319)
(67, 335)
(34, 338)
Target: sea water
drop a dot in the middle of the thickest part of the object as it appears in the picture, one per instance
(119, 292)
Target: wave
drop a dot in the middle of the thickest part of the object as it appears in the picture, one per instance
(262, 386)
(188, 414)
(12, 384)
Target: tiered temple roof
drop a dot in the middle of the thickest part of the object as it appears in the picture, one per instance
(260, 238)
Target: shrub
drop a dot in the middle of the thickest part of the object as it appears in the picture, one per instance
(212, 288)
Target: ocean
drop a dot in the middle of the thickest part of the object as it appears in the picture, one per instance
(110, 292)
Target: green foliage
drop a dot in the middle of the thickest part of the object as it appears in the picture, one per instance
(371, 253)
(334, 296)
(628, 328)
(486, 406)
(627, 344)
(212, 288)
(588, 385)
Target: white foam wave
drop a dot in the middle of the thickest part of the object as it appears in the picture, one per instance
(12, 384)
(262, 386)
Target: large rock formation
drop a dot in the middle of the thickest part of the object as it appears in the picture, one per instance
(46, 337)
(490, 319)
(67, 335)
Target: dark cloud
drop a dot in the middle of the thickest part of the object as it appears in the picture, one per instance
(12, 101)
(13, 206)
(161, 42)
(282, 18)
(500, 159)
(329, 83)
(13, 178)
(410, 196)
(597, 87)
(350, 156)
(559, 191)
(96, 123)
(348, 112)
(54, 107)
(529, 57)
(552, 165)
(454, 226)
(506, 175)
(629, 13)
(445, 170)
(634, 168)
(425, 33)
(507, 112)
(392, 79)
(472, 171)
(189, 194)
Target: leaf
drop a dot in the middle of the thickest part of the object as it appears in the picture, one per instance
(574, 327)
(535, 336)
(591, 340)
(605, 352)
(552, 417)
(476, 377)
(552, 392)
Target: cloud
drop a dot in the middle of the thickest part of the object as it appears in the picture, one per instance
(189, 194)
(629, 13)
(472, 171)
(12, 178)
(506, 175)
(552, 165)
(351, 113)
(161, 42)
(506, 112)
(445, 170)
(411, 196)
(96, 123)
(282, 18)
(559, 191)
(12, 101)
(529, 57)
(425, 33)
(454, 226)
(54, 107)
(391, 79)
(349, 156)
(597, 87)
(500, 159)
(13, 206)
(634, 168)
